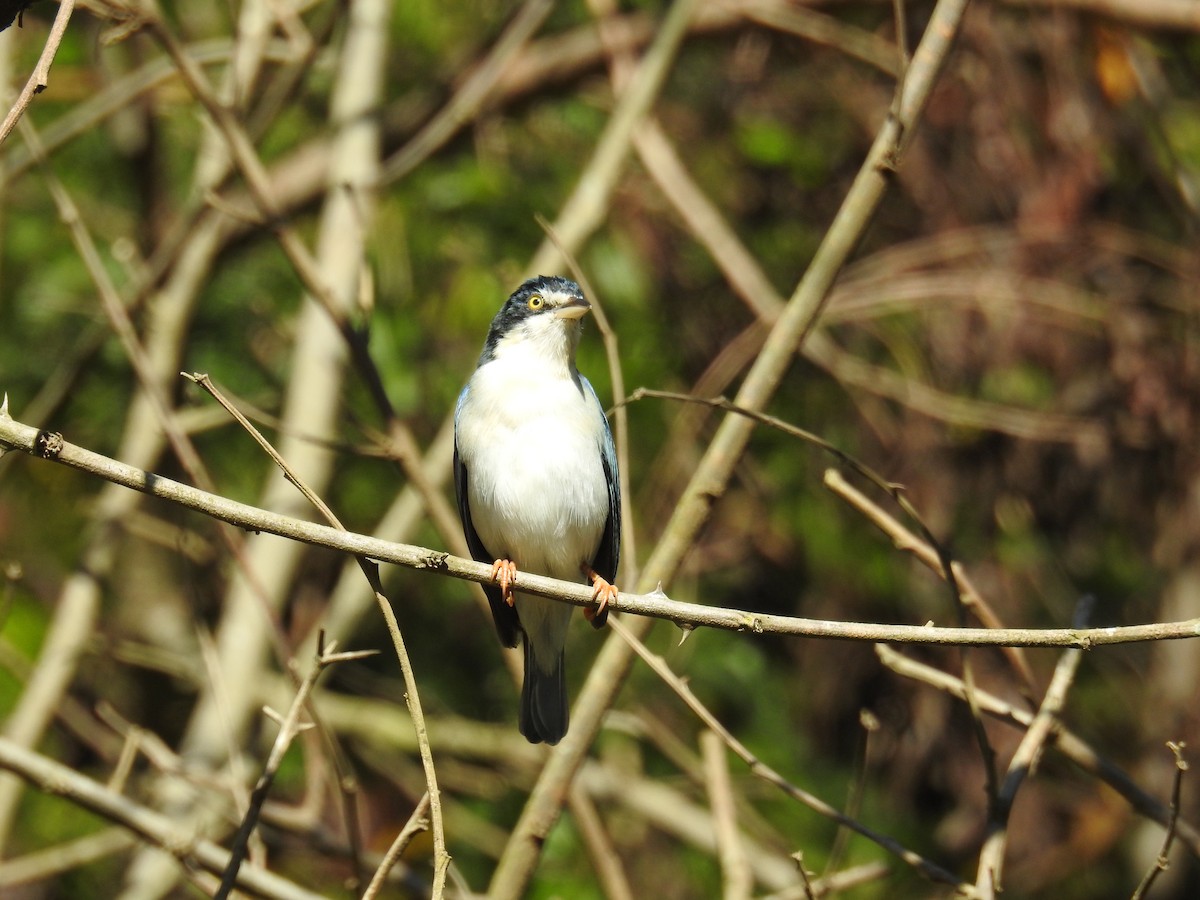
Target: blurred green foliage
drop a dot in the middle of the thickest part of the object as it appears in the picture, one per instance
(1031, 169)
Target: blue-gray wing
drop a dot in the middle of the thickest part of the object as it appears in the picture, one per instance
(608, 555)
(505, 616)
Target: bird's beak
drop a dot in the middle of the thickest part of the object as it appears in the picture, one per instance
(575, 308)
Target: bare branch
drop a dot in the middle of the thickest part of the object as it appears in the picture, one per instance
(51, 446)
(411, 696)
(41, 73)
(1024, 762)
(158, 830)
(289, 727)
(1064, 741)
(735, 871)
(927, 867)
(1164, 855)
(416, 823)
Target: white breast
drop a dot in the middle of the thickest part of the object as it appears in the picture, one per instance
(536, 484)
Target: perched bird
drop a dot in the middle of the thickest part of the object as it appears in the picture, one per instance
(535, 471)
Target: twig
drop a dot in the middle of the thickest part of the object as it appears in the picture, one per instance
(675, 813)
(870, 724)
(43, 865)
(416, 823)
(1025, 761)
(1183, 15)
(820, 28)
(370, 570)
(469, 98)
(906, 542)
(737, 881)
(599, 846)
(586, 206)
(1164, 855)
(288, 729)
(835, 883)
(153, 828)
(40, 76)
(202, 380)
(927, 867)
(945, 562)
(895, 491)
(655, 604)
(944, 406)
(806, 886)
(1064, 741)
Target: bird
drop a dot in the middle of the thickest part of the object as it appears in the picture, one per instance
(535, 475)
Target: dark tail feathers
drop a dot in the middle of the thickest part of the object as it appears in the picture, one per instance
(543, 700)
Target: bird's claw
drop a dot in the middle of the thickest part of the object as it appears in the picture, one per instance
(602, 593)
(504, 572)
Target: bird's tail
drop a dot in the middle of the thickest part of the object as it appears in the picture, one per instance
(543, 699)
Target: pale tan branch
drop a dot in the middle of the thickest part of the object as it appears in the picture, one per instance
(156, 829)
(40, 76)
(1064, 741)
(655, 604)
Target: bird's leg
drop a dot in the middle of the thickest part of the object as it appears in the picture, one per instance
(504, 571)
(602, 593)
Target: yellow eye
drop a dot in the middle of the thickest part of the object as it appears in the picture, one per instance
(536, 301)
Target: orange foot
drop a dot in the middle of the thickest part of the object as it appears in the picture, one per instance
(504, 571)
(603, 593)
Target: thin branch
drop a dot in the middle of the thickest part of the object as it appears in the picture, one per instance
(1164, 855)
(757, 767)
(944, 406)
(737, 879)
(371, 571)
(1024, 762)
(43, 865)
(468, 99)
(203, 381)
(598, 843)
(821, 28)
(416, 823)
(156, 829)
(52, 447)
(40, 76)
(588, 203)
(1063, 740)
(869, 723)
(829, 885)
(1182, 15)
(288, 729)
(907, 542)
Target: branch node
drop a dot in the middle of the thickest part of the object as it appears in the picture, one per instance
(49, 444)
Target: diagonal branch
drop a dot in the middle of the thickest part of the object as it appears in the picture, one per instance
(155, 828)
(759, 768)
(798, 318)
(40, 77)
(1066, 742)
(1024, 762)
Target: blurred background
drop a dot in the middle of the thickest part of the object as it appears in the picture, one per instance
(1014, 341)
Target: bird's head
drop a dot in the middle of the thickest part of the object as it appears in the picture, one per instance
(544, 315)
